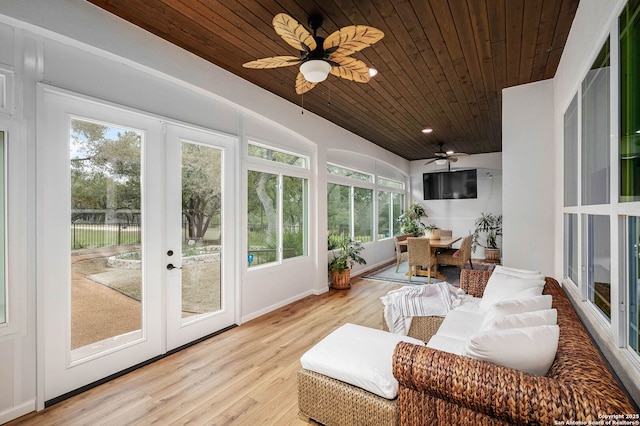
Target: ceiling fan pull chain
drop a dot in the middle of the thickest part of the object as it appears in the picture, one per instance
(329, 93)
(302, 110)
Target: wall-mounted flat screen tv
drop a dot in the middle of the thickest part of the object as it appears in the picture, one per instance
(452, 185)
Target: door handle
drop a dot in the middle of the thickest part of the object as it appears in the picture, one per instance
(170, 267)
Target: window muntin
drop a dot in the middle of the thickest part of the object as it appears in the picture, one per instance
(571, 154)
(267, 153)
(629, 24)
(596, 131)
(332, 169)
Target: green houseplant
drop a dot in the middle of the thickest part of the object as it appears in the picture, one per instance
(488, 230)
(432, 232)
(409, 220)
(345, 253)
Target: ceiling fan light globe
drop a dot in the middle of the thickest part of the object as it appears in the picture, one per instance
(441, 161)
(315, 70)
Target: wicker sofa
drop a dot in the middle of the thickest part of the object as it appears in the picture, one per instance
(441, 388)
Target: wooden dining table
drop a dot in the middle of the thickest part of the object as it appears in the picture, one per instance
(443, 242)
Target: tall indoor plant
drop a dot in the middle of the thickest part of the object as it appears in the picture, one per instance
(345, 253)
(488, 230)
(409, 220)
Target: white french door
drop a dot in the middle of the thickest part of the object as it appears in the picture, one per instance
(199, 271)
(121, 196)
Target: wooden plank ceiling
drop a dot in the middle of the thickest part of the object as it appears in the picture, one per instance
(442, 64)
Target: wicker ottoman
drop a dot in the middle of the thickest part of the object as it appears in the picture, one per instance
(347, 379)
(335, 403)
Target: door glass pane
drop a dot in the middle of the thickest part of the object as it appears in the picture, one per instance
(398, 204)
(630, 102)
(595, 131)
(634, 283)
(201, 216)
(571, 247)
(262, 218)
(363, 214)
(598, 262)
(3, 287)
(571, 154)
(106, 252)
(384, 214)
(338, 210)
(294, 217)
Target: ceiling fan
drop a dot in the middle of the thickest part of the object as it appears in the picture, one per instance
(445, 157)
(320, 56)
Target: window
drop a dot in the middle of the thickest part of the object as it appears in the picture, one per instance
(571, 247)
(597, 259)
(596, 131)
(571, 154)
(633, 254)
(345, 172)
(389, 208)
(363, 214)
(277, 207)
(630, 102)
(391, 183)
(344, 200)
(270, 154)
(3, 287)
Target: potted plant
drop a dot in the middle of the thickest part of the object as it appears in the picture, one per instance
(345, 254)
(409, 220)
(432, 232)
(488, 230)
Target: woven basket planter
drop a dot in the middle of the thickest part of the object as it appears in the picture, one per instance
(492, 254)
(341, 280)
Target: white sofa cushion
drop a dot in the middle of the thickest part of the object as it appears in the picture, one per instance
(358, 355)
(447, 344)
(529, 349)
(460, 324)
(504, 287)
(525, 319)
(517, 306)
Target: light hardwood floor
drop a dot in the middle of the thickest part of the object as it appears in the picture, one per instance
(245, 376)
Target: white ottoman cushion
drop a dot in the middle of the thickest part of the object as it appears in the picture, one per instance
(360, 356)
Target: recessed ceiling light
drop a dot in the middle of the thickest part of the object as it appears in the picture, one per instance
(427, 130)
(373, 72)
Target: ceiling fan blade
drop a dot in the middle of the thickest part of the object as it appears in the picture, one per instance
(293, 32)
(272, 62)
(452, 159)
(431, 161)
(458, 154)
(350, 69)
(302, 85)
(351, 39)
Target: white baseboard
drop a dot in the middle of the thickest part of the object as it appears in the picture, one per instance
(20, 410)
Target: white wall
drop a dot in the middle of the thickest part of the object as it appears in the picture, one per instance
(78, 47)
(528, 190)
(460, 215)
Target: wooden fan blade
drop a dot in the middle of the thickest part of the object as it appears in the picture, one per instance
(430, 161)
(302, 85)
(351, 39)
(458, 154)
(273, 62)
(452, 159)
(350, 69)
(293, 32)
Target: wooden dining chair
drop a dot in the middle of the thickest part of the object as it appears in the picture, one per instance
(419, 250)
(401, 250)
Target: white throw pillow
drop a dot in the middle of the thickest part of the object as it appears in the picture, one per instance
(517, 306)
(525, 319)
(504, 287)
(358, 355)
(524, 273)
(529, 349)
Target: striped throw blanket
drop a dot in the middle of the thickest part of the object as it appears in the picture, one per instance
(421, 301)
